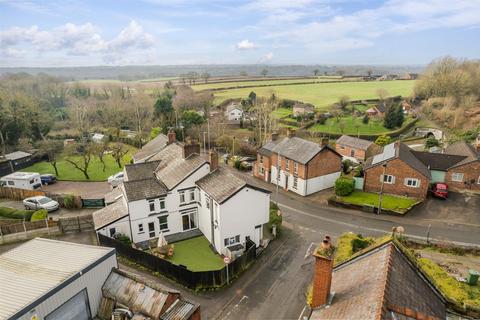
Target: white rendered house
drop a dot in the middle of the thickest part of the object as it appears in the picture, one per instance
(181, 194)
(234, 112)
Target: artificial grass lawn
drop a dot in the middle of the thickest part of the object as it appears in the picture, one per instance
(196, 255)
(323, 94)
(350, 125)
(67, 171)
(393, 203)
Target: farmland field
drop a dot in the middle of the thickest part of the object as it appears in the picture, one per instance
(322, 94)
(353, 126)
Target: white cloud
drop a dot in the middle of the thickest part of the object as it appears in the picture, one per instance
(267, 57)
(75, 40)
(245, 45)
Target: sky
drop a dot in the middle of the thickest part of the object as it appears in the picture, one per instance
(36, 33)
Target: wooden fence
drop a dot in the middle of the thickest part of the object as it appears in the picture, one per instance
(76, 224)
(25, 226)
(19, 194)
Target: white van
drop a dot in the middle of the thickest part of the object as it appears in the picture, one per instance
(22, 180)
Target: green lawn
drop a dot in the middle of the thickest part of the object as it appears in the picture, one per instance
(229, 84)
(282, 112)
(196, 255)
(323, 94)
(353, 126)
(398, 204)
(67, 171)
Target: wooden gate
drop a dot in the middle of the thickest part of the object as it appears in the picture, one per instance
(76, 224)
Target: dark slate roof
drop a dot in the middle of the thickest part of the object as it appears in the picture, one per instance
(294, 148)
(144, 189)
(464, 149)
(109, 214)
(151, 148)
(438, 161)
(173, 168)
(377, 283)
(402, 152)
(140, 171)
(221, 184)
(354, 142)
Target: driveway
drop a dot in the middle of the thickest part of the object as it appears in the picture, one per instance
(87, 190)
(55, 215)
(459, 208)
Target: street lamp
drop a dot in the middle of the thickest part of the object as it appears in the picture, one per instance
(384, 165)
(278, 176)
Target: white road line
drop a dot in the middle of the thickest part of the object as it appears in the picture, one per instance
(309, 250)
(351, 225)
(301, 313)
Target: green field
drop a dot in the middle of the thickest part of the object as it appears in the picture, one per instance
(353, 126)
(67, 171)
(323, 94)
(282, 112)
(228, 84)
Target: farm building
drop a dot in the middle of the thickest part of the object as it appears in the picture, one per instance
(53, 280)
(354, 148)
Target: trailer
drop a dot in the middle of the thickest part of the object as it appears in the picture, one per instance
(22, 180)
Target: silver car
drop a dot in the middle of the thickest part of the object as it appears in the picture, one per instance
(40, 202)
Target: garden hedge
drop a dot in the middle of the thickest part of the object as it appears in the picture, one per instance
(39, 215)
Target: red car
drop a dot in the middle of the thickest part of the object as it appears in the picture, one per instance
(440, 190)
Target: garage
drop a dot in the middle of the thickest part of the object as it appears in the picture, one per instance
(53, 280)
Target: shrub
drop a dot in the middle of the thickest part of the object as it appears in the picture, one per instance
(431, 142)
(383, 140)
(11, 213)
(344, 186)
(358, 171)
(346, 164)
(123, 238)
(365, 119)
(275, 219)
(39, 215)
(360, 243)
(321, 120)
(237, 164)
(69, 201)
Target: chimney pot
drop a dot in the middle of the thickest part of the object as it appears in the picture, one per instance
(171, 135)
(190, 148)
(290, 132)
(322, 278)
(213, 159)
(324, 142)
(274, 136)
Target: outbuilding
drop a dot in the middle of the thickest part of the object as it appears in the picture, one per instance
(53, 280)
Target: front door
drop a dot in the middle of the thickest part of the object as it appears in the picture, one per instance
(189, 221)
(257, 236)
(286, 181)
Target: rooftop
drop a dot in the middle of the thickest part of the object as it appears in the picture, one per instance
(220, 184)
(17, 155)
(354, 142)
(142, 170)
(464, 149)
(144, 189)
(294, 148)
(151, 148)
(380, 284)
(31, 270)
(109, 214)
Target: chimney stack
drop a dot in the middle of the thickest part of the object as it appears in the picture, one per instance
(274, 136)
(213, 159)
(190, 148)
(322, 278)
(171, 135)
(290, 132)
(324, 142)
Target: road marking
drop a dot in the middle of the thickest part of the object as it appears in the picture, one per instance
(309, 250)
(301, 313)
(459, 243)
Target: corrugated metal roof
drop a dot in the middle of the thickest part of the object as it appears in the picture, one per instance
(179, 310)
(36, 267)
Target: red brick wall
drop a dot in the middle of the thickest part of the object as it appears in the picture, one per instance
(400, 170)
(346, 151)
(266, 166)
(471, 171)
(324, 163)
(322, 280)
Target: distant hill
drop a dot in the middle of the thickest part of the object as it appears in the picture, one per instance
(127, 73)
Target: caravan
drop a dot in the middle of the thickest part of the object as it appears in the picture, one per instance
(22, 180)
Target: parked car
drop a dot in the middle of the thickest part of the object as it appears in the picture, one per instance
(40, 202)
(48, 179)
(439, 190)
(116, 179)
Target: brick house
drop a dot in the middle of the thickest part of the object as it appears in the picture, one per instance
(298, 165)
(356, 148)
(379, 283)
(465, 174)
(398, 170)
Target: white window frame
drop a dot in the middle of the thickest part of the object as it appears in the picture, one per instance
(207, 201)
(455, 176)
(261, 170)
(295, 167)
(163, 225)
(230, 241)
(162, 203)
(191, 195)
(140, 228)
(151, 205)
(412, 182)
(182, 197)
(287, 164)
(390, 179)
(478, 180)
(295, 182)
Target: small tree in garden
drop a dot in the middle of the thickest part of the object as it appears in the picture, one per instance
(343, 102)
(344, 186)
(80, 155)
(118, 152)
(53, 149)
(365, 119)
(99, 150)
(383, 140)
(431, 142)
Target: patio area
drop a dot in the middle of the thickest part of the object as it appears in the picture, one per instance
(196, 255)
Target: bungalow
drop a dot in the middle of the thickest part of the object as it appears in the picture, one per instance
(298, 165)
(377, 110)
(351, 147)
(379, 283)
(465, 174)
(303, 109)
(181, 194)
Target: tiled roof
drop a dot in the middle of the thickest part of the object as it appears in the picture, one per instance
(402, 152)
(354, 142)
(151, 148)
(173, 168)
(464, 149)
(144, 189)
(113, 195)
(294, 148)
(142, 170)
(221, 184)
(378, 282)
(109, 214)
(438, 161)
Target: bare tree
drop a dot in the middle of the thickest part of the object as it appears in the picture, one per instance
(205, 76)
(100, 149)
(266, 122)
(79, 155)
(52, 149)
(316, 72)
(264, 72)
(118, 152)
